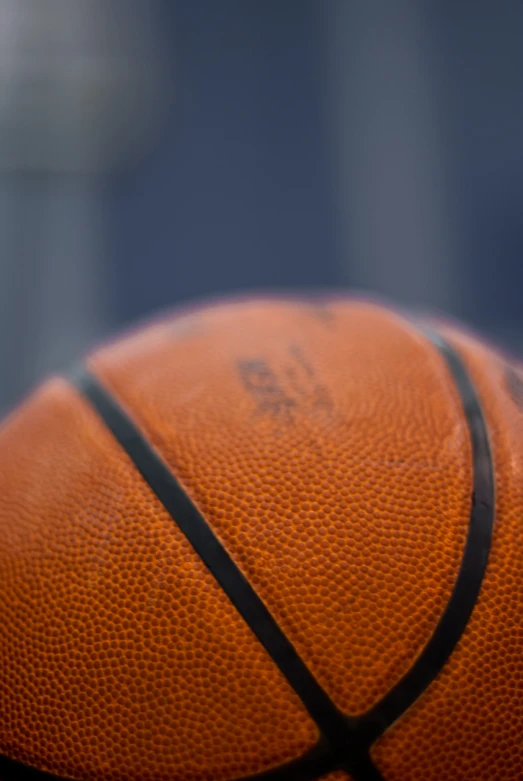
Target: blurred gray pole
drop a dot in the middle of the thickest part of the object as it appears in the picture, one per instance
(77, 91)
(388, 153)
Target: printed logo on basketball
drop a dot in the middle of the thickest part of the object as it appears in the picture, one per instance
(282, 393)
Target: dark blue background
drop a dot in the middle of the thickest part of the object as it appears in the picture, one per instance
(237, 192)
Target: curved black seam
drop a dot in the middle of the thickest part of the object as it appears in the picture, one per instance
(344, 742)
(14, 770)
(465, 592)
(313, 764)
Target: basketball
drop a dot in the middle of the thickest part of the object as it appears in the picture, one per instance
(276, 539)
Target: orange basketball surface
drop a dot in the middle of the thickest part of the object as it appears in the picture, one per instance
(326, 446)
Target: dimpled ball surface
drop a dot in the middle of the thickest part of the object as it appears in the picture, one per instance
(326, 446)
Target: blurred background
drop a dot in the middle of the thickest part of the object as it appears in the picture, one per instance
(155, 151)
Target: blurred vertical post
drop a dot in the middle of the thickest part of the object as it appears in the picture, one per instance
(389, 153)
(79, 88)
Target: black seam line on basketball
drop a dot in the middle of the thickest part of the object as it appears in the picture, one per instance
(314, 764)
(14, 770)
(465, 592)
(310, 766)
(330, 721)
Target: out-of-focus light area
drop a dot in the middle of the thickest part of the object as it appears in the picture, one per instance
(155, 151)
